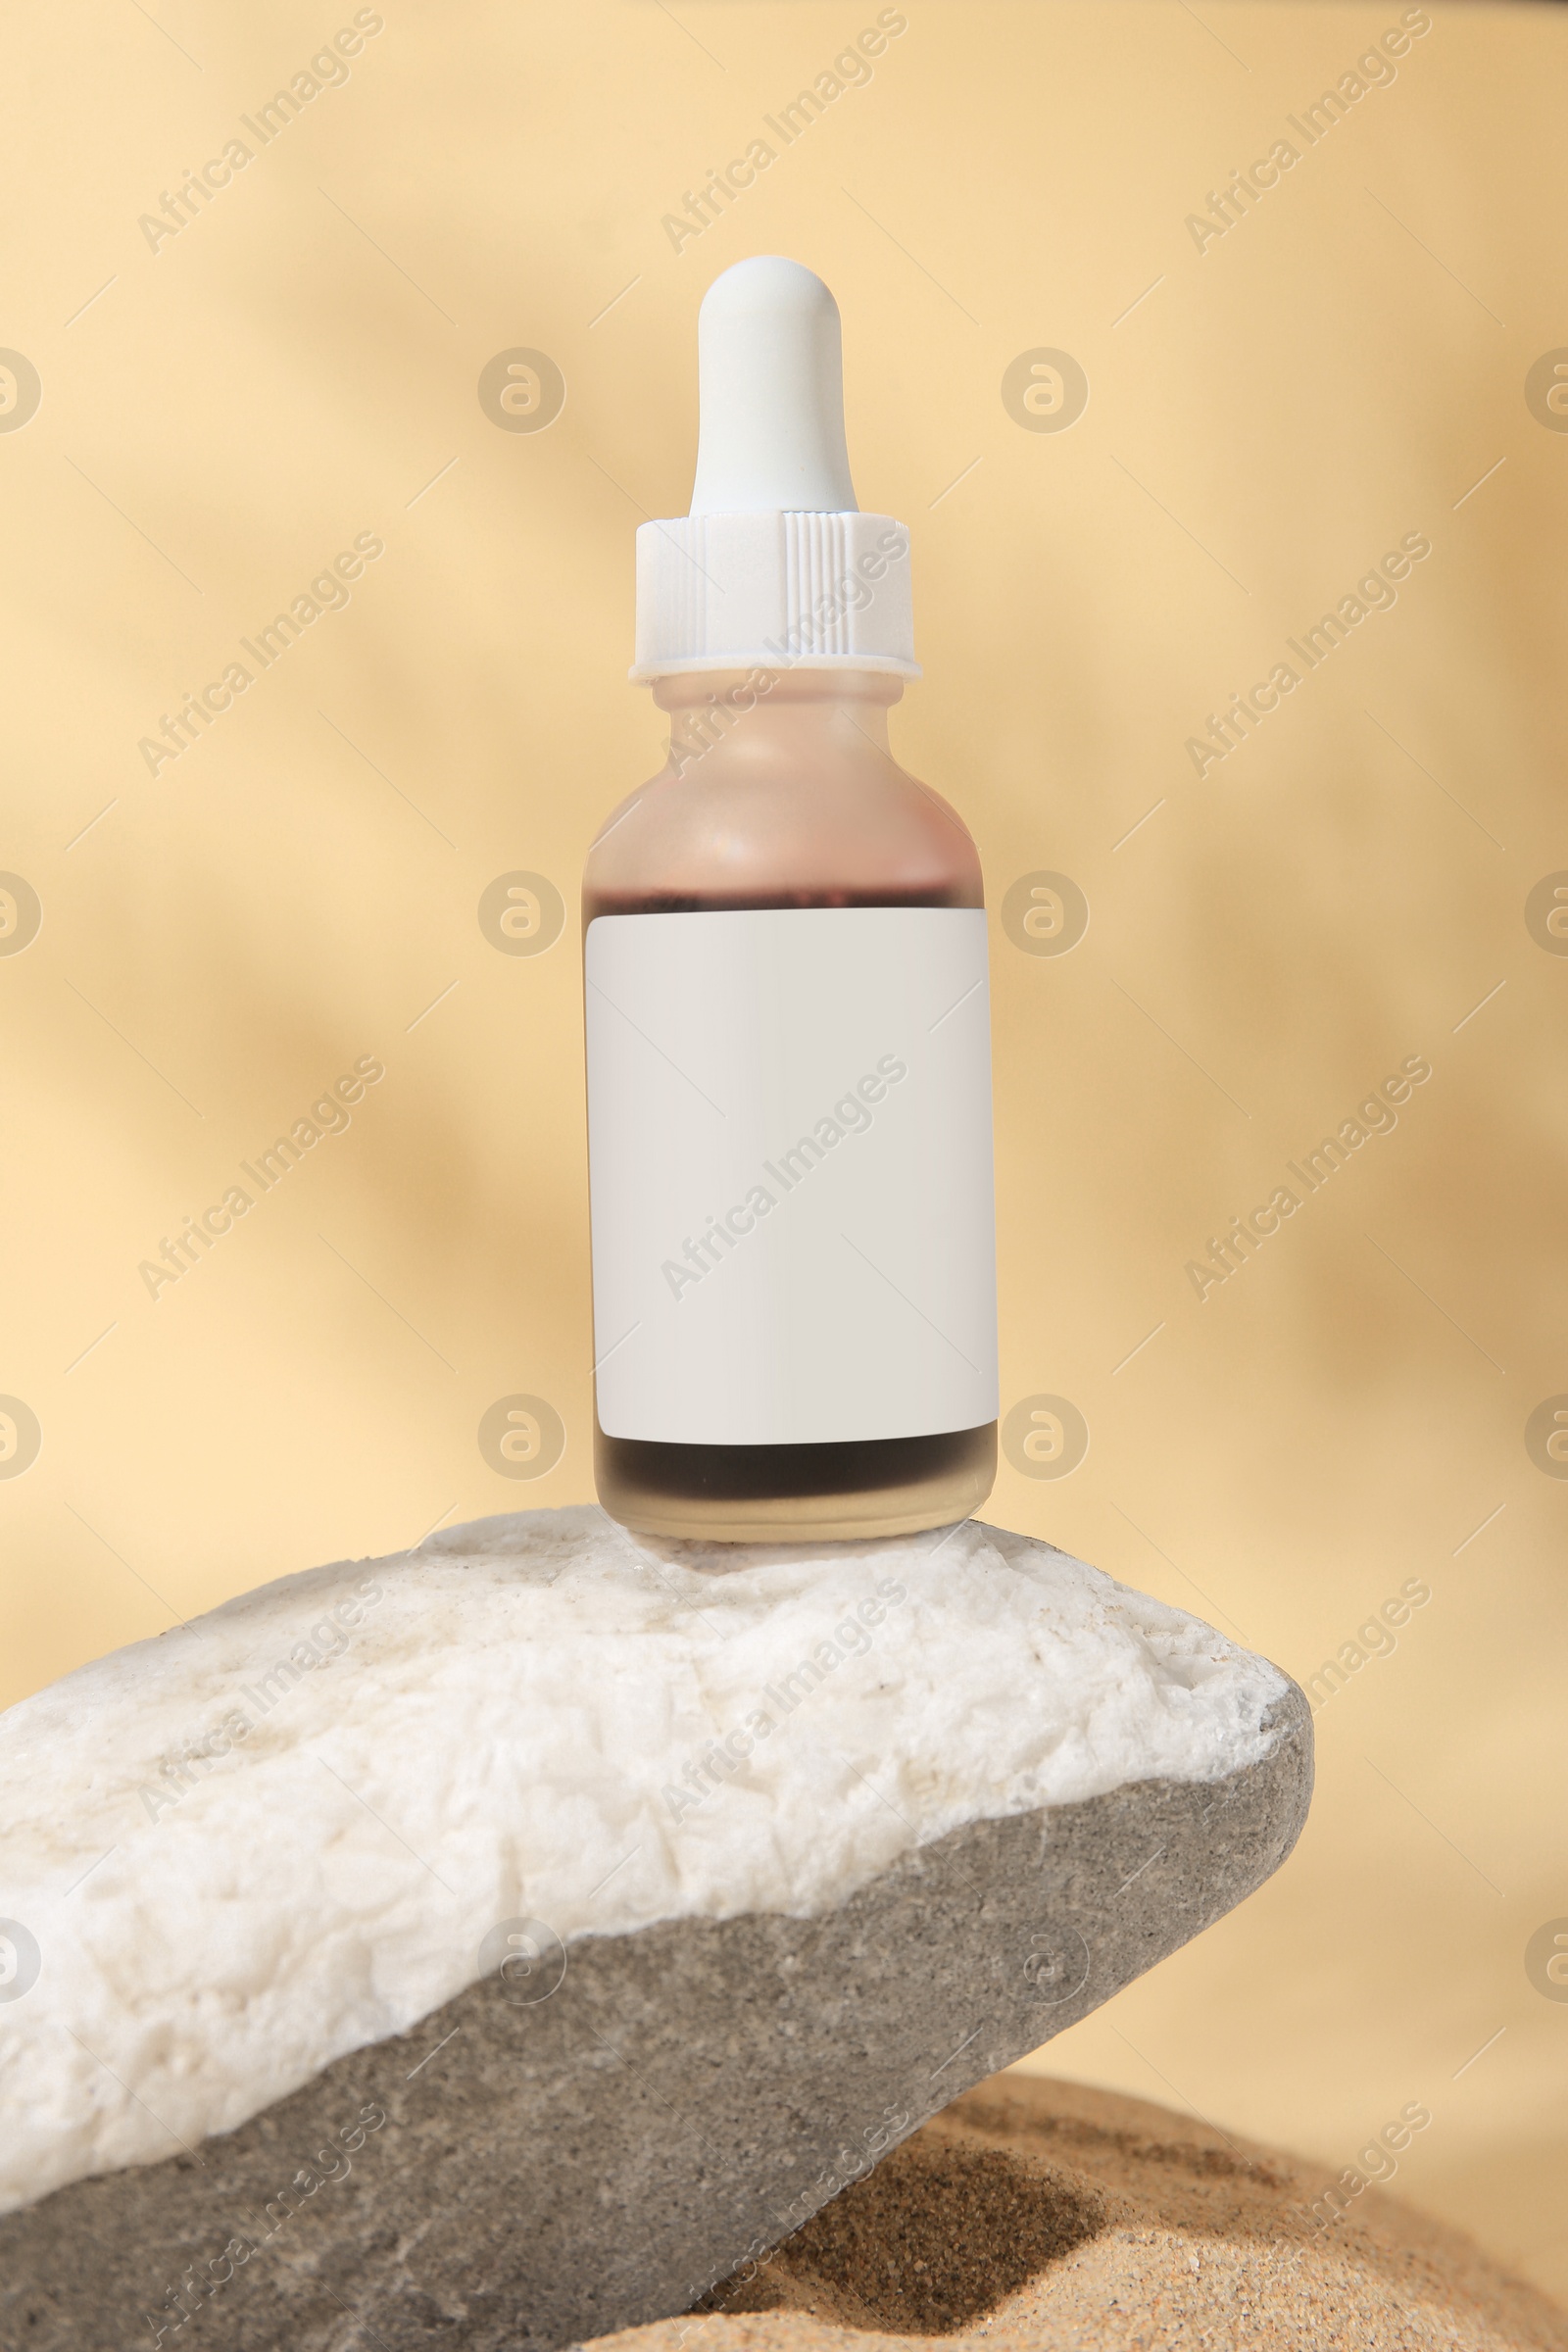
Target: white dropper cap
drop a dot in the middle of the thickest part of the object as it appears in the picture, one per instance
(775, 567)
(770, 394)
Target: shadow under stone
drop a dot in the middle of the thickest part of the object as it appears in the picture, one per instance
(934, 2238)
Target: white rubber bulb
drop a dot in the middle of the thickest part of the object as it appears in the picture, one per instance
(770, 394)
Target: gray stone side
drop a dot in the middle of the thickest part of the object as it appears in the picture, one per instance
(548, 2170)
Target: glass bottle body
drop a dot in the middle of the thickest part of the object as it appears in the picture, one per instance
(780, 792)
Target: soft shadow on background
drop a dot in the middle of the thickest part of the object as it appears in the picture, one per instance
(1362, 359)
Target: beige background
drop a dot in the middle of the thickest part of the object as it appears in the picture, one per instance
(300, 363)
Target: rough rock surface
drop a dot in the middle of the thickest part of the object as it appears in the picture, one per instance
(591, 2135)
(1033, 2215)
(237, 1852)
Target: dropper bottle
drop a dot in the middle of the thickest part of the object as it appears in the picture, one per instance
(787, 1014)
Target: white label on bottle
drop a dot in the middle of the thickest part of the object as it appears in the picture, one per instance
(789, 1138)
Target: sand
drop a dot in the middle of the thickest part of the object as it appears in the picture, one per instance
(1033, 2213)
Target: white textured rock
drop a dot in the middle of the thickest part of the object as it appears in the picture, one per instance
(514, 1724)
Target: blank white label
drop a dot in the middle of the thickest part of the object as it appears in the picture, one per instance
(788, 1140)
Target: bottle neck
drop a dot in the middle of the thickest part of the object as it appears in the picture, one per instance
(763, 710)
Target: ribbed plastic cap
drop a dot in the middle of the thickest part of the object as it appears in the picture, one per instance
(775, 567)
